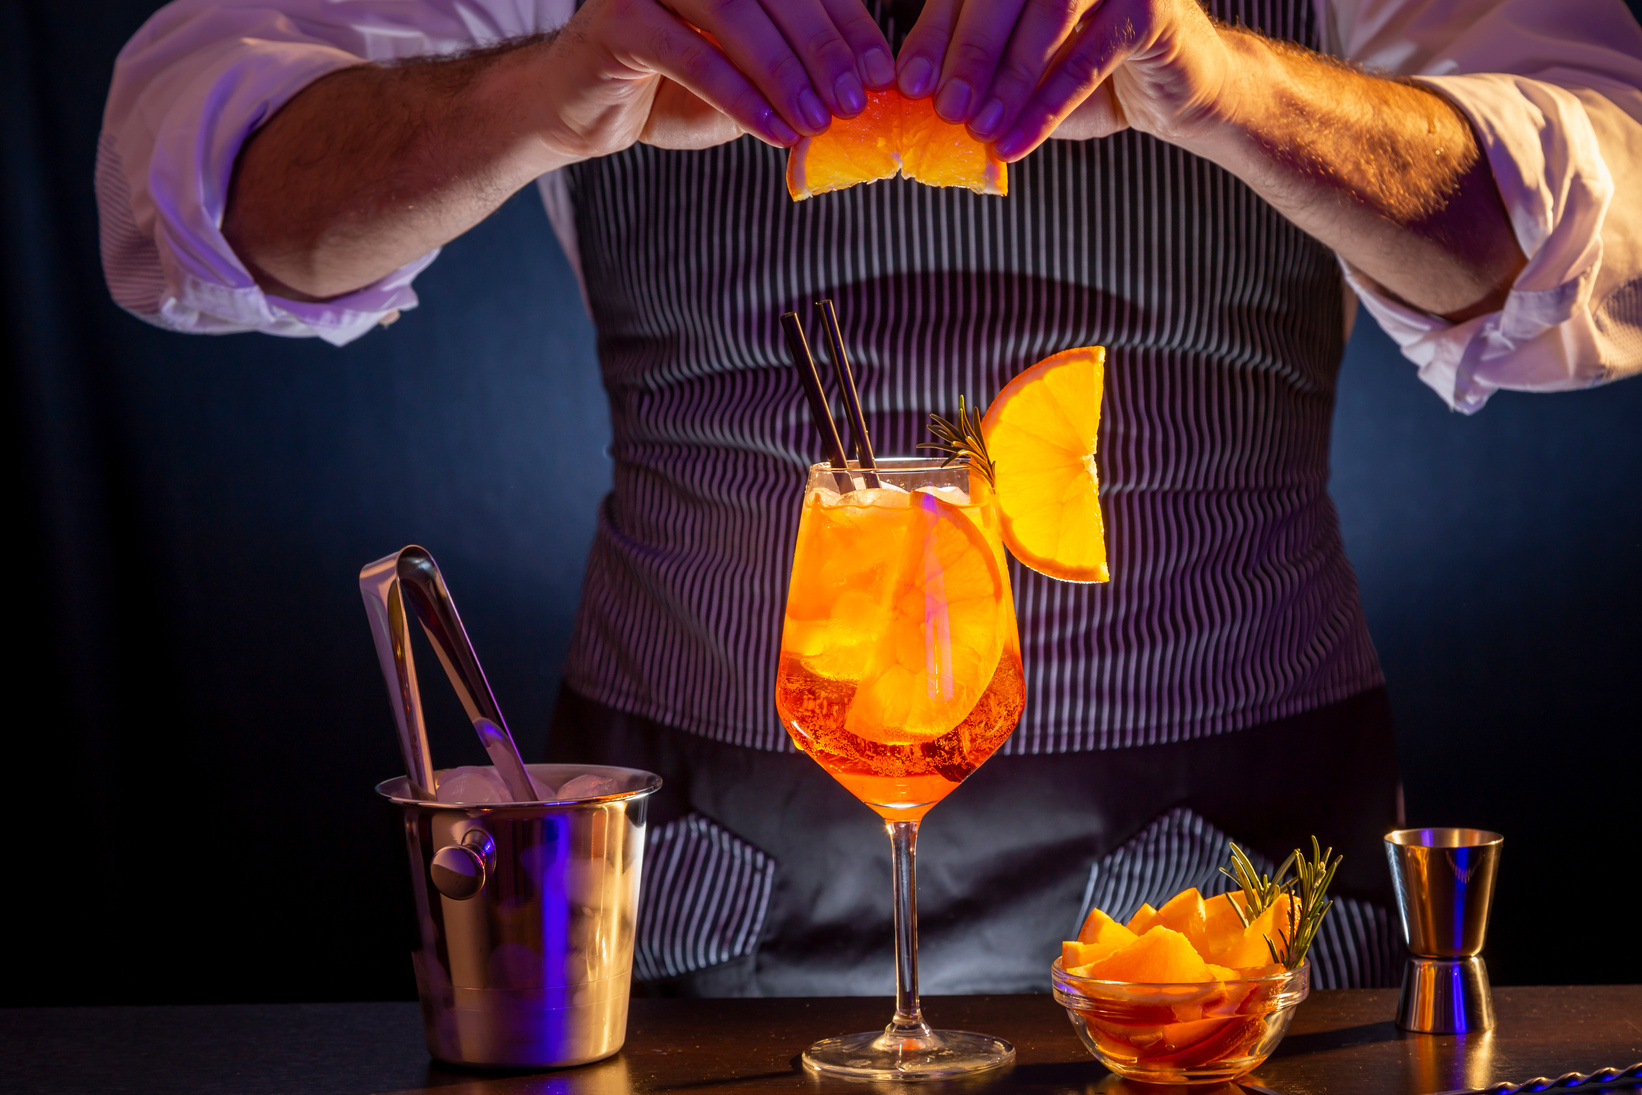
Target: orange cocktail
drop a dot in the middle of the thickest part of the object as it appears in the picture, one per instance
(900, 673)
(900, 663)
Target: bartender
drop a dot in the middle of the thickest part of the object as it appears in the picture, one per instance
(1207, 194)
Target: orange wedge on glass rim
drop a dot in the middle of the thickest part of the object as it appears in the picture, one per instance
(1040, 433)
(893, 136)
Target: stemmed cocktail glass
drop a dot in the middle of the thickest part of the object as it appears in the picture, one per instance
(900, 673)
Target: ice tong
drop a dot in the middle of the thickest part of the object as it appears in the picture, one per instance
(410, 575)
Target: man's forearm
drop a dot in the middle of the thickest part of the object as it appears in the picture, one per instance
(1388, 174)
(370, 167)
(373, 166)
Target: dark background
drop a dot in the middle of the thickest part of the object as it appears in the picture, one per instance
(196, 716)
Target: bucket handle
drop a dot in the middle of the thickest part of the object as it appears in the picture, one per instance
(459, 871)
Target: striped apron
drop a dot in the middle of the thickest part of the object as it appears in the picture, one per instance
(1232, 605)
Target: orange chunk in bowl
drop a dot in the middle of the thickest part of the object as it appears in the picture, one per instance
(1160, 957)
(1100, 928)
(1144, 920)
(1184, 912)
(1100, 936)
(1222, 924)
(1247, 949)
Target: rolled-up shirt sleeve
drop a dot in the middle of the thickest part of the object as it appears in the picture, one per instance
(1552, 91)
(188, 89)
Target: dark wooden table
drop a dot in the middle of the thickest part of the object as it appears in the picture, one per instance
(1342, 1043)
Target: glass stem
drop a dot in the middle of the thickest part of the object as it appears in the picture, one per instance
(903, 843)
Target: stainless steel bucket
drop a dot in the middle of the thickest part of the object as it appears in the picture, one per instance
(525, 916)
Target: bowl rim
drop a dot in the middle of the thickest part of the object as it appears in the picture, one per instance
(1282, 975)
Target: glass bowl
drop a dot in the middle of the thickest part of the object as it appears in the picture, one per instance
(1182, 1034)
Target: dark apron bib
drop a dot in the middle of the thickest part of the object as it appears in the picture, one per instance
(1232, 606)
(1231, 603)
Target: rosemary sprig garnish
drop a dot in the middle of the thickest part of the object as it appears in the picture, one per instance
(1306, 912)
(962, 438)
(1308, 897)
(1259, 891)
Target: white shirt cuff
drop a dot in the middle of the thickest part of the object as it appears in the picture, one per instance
(1556, 189)
(195, 306)
(207, 289)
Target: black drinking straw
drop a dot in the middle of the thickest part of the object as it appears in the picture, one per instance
(859, 441)
(799, 347)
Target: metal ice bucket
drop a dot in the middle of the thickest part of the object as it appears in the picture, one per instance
(524, 918)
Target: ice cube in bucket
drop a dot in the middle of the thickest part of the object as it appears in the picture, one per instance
(586, 785)
(472, 785)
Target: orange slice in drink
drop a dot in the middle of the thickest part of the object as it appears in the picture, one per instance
(893, 135)
(844, 575)
(943, 632)
(1040, 432)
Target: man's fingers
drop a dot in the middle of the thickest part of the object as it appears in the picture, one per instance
(1100, 115)
(811, 59)
(827, 58)
(680, 52)
(972, 55)
(873, 59)
(1040, 33)
(918, 68)
(1103, 43)
(751, 40)
(681, 119)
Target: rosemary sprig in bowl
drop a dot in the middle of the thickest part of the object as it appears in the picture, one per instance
(1308, 897)
(962, 439)
(1306, 913)
(1259, 891)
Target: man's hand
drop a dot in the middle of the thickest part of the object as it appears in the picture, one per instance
(1015, 70)
(777, 69)
(372, 166)
(1387, 173)
(681, 119)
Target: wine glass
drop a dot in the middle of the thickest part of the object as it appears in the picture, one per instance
(900, 673)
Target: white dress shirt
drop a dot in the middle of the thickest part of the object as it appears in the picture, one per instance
(1554, 92)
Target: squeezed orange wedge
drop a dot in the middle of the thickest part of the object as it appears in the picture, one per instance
(893, 135)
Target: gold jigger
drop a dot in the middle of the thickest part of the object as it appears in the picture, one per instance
(1445, 886)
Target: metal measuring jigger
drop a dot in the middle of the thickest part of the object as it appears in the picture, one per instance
(1445, 886)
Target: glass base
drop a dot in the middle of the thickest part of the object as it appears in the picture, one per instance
(937, 1055)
